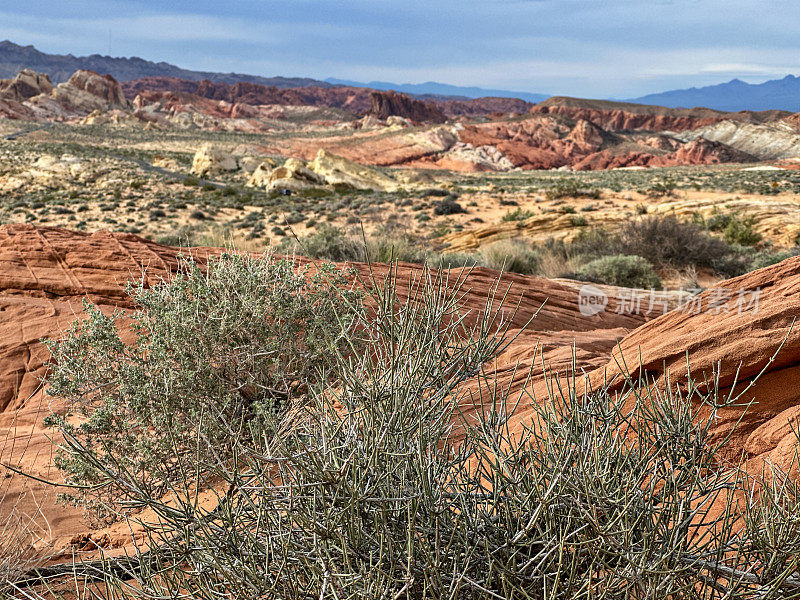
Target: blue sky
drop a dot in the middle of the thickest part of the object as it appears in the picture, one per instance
(589, 48)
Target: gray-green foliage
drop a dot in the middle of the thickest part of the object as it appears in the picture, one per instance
(515, 256)
(210, 351)
(622, 270)
(379, 486)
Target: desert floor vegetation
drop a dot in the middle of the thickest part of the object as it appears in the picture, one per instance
(351, 443)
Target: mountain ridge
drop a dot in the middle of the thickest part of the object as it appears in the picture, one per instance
(60, 67)
(733, 95)
(434, 88)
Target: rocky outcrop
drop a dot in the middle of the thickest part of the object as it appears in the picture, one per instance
(392, 104)
(732, 332)
(325, 170)
(27, 84)
(336, 170)
(84, 93)
(625, 116)
(210, 160)
(770, 141)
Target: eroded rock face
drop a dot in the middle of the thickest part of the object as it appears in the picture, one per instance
(732, 331)
(210, 160)
(325, 170)
(27, 84)
(338, 170)
(392, 104)
(35, 98)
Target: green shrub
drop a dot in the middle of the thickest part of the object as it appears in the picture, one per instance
(194, 378)
(386, 249)
(662, 188)
(621, 270)
(571, 188)
(767, 258)
(328, 242)
(668, 241)
(740, 231)
(735, 228)
(517, 215)
(448, 206)
(514, 256)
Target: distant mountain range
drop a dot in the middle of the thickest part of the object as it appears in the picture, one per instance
(14, 58)
(735, 95)
(432, 88)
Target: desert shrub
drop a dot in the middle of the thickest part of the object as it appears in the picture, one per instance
(622, 270)
(766, 258)
(571, 188)
(665, 187)
(514, 256)
(579, 221)
(327, 242)
(735, 228)
(668, 241)
(740, 231)
(381, 487)
(518, 214)
(212, 350)
(386, 249)
(593, 243)
(448, 206)
(452, 260)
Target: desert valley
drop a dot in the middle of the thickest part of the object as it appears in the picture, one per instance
(575, 316)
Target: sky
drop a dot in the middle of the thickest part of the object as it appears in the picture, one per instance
(587, 48)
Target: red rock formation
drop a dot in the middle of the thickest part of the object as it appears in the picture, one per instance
(478, 107)
(733, 330)
(623, 116)
(392, 104)
(104, 87)
(354, 100)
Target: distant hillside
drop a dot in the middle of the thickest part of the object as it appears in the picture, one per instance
(14, 58)
(431, 88)
(735, 95)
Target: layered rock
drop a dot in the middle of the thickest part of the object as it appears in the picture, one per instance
(770, 141)
(393, 104)
(85, 92)
(325, 170)
(27, 84)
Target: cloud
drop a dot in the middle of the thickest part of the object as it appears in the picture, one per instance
(619, 48)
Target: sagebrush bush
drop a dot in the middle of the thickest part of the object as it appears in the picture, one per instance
(622, 270)
(410, 476)
(669, 241)
(212, 349)
(766, 258)
(327, 242)
(571, 188)
(513, 255)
